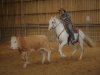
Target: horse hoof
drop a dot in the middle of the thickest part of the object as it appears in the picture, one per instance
(63, 56)
(79, 58)
(25, 65)
(42, 62)
(48, 61)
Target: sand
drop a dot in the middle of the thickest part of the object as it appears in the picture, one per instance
(11, 64)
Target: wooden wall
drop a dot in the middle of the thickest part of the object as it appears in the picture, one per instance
(15, 13)
(40, 11)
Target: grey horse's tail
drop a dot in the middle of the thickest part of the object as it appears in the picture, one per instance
(86, 39)
(89, 41)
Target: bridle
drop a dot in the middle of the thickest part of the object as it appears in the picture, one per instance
(56, 27)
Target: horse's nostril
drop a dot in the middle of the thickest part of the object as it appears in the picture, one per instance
(49, 29)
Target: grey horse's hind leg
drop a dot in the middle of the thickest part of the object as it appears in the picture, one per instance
(82, 50)
(75, 49)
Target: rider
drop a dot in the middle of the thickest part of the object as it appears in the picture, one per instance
(66, 19)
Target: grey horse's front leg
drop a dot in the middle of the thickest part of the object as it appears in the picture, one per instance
(60, 49)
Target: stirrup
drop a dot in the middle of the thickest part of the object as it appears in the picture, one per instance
(73, 41)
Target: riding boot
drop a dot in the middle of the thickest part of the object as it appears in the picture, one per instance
(72, 38)
(71, 32)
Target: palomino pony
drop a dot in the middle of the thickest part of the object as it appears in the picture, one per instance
(62, 36)
(31, 43)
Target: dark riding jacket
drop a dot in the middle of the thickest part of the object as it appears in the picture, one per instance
(66, 18)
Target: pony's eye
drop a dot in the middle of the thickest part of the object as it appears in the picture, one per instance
(14, 41)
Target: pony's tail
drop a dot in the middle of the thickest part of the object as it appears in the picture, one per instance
(89, 41)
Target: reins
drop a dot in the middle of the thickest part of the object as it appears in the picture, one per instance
(60, 32)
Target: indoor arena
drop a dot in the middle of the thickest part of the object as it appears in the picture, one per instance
(36, 37)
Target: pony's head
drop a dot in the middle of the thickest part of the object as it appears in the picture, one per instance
(14, 42)
(53, 23)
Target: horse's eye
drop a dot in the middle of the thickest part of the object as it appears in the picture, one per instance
(14, 41)
(52, 22)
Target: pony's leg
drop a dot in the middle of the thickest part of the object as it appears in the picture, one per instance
(49, 55)
(82, 50)
(60, 49)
